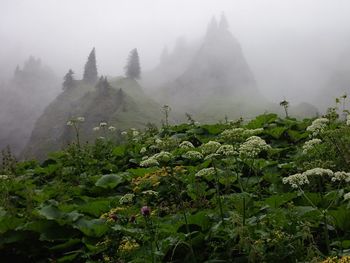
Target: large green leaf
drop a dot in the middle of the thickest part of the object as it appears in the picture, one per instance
(109, 181)
(92, 228)
(280, 199)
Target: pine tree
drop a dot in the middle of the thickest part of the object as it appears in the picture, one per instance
(132, 68)
(68, 80)
(102, 85)
(90, 71)
(223, 24)
(212, 27)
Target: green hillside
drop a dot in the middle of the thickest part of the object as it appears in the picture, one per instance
(122, 105)
(270, 190)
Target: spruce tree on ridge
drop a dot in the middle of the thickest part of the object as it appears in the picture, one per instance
(90, 70)
(132, 68)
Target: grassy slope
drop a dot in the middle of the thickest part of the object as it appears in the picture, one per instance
(50, 131)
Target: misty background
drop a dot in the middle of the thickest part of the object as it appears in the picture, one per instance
(292, 47)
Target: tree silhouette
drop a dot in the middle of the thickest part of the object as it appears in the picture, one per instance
(132, 68)
(68, 80)
(90, 70)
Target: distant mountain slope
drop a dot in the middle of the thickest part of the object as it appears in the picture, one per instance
(22, 100)
(122, 104)
(217, 76)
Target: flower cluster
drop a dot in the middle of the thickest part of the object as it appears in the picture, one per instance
(126, 199)
(143, 150)
(103, 126)
(4, 177)
(296, 180)
(309, 145)
(186, 145)
(76, 120)
(150, 192)
(226, 150)
(341, 176)
(151, 161)
(238, 134)
(318, 126)
(206, 172)
(252, 147)
(156, 159)
(163, 156)
(319, 172)
(210, 147)
(300, 179)
(232, 135)
(128, 245)
(347, 196)
(149, 180)
(192, 155)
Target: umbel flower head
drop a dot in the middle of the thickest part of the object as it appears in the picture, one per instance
(318, 126)
(76, 120)
(210, 147)
(252, 147)
(193, 155)
(310, 145)
(186, 145)
(226, 150)
(298, 180)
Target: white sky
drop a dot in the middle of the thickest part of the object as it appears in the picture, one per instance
(272, 33)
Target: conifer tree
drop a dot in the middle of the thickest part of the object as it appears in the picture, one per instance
(223, 24)
(90, 71)
(102, 85)
(68, 80)
(132, 68)
(212, 27)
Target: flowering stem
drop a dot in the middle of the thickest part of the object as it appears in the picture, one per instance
(76, 128)
(326, 234)
(183, 212)
(218, 194)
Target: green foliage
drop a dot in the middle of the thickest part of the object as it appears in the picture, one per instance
(102, 203)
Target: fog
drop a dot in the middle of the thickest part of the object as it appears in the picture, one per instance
(290, 45)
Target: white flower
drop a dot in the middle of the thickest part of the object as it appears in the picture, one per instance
(158, 141)
(348, 120)
(149, 162)
(347, 196)
(211, 156)
(70, 123)
(143, 150)
(144, 158)
(341, 176)
(103, 124)
(318, 126)
(319, 172)
(95, 129)
(4, 177)
(205, 172)
(163, 156)
(252, 147)
(226, 150)
(150, 192)
(309, 145)
(210, 147)
(112, 128)
(124, 133)
(192, 155)
(296, 180)
(135, 133)
(127, 198)
(232, 135)
(186, 145)
(80, 119)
